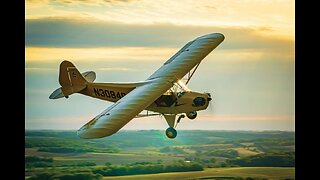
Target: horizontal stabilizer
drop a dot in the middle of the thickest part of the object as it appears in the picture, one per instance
(90, 76)
(66, 91)
(56, 94)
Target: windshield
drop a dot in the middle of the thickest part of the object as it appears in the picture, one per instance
(178, 87)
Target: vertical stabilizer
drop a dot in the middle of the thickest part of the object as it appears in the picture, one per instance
(70, 79)
(69, 75)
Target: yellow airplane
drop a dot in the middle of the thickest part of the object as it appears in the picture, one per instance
(163, 92)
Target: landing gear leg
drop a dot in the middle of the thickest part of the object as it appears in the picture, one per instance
(170, 132)
(180, 117)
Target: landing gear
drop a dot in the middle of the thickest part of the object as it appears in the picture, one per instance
(171, 133)
(192, 115)
(171, 120)
(180, 117)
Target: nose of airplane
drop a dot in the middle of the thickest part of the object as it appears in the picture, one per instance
(209, 97)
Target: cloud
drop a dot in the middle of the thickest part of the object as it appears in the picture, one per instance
(39, 69)
(76, 1)
(42, 54)
(117, 69)
(84, 33)
(278, 14)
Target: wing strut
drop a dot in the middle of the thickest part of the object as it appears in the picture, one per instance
(190, 76)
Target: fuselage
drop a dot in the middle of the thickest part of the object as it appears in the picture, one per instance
(168, 103)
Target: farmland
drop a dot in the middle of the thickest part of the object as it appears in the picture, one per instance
(205, 154)
(220, 173)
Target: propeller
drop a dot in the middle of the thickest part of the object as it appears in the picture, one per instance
(210, 99)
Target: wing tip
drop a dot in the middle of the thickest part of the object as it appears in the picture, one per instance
(94, 133)
(219, 36)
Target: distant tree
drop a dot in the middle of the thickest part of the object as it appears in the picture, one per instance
(238, 178)
(78, 176)
(141, 163)
(31, 159)
(64, 150)
(213, 160)
(147, 169)
(228, 153)
(266, 159)
(108, 164)
(86, 164)
(42, 176)
(223, 164)
(198, 152)
(175, 150)
(159, 161)
(118, 171)
(196, 159)
(196, 167)
(38, 164)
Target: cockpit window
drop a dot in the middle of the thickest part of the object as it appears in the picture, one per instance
(166, 100)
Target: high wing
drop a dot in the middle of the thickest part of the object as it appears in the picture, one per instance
(119, 114)
(188, 57)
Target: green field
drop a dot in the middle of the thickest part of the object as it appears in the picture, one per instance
(193, 154)
(270, 173)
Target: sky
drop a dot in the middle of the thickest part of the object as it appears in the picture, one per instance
(250, 75)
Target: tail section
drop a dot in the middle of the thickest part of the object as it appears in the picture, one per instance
(70, 79)
(69, 75)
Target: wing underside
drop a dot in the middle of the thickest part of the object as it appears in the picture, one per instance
(120, 113)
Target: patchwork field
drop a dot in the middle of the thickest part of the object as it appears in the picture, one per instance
(192, 155)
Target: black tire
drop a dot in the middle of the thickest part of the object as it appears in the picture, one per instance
(171, 133)
(192, 115)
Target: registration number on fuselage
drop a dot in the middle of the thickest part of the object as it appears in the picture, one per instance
(108, 93)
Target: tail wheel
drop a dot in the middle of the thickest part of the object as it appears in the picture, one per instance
(171, 133)
(192, 115)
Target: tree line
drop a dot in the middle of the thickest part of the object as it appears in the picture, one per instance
(271, 159)
(148, 169)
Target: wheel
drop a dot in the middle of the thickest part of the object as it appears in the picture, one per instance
(192, 115)
(171, 133)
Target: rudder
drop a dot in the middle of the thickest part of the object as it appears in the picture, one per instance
(69, 75)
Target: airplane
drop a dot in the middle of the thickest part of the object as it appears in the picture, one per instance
(163, 93)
